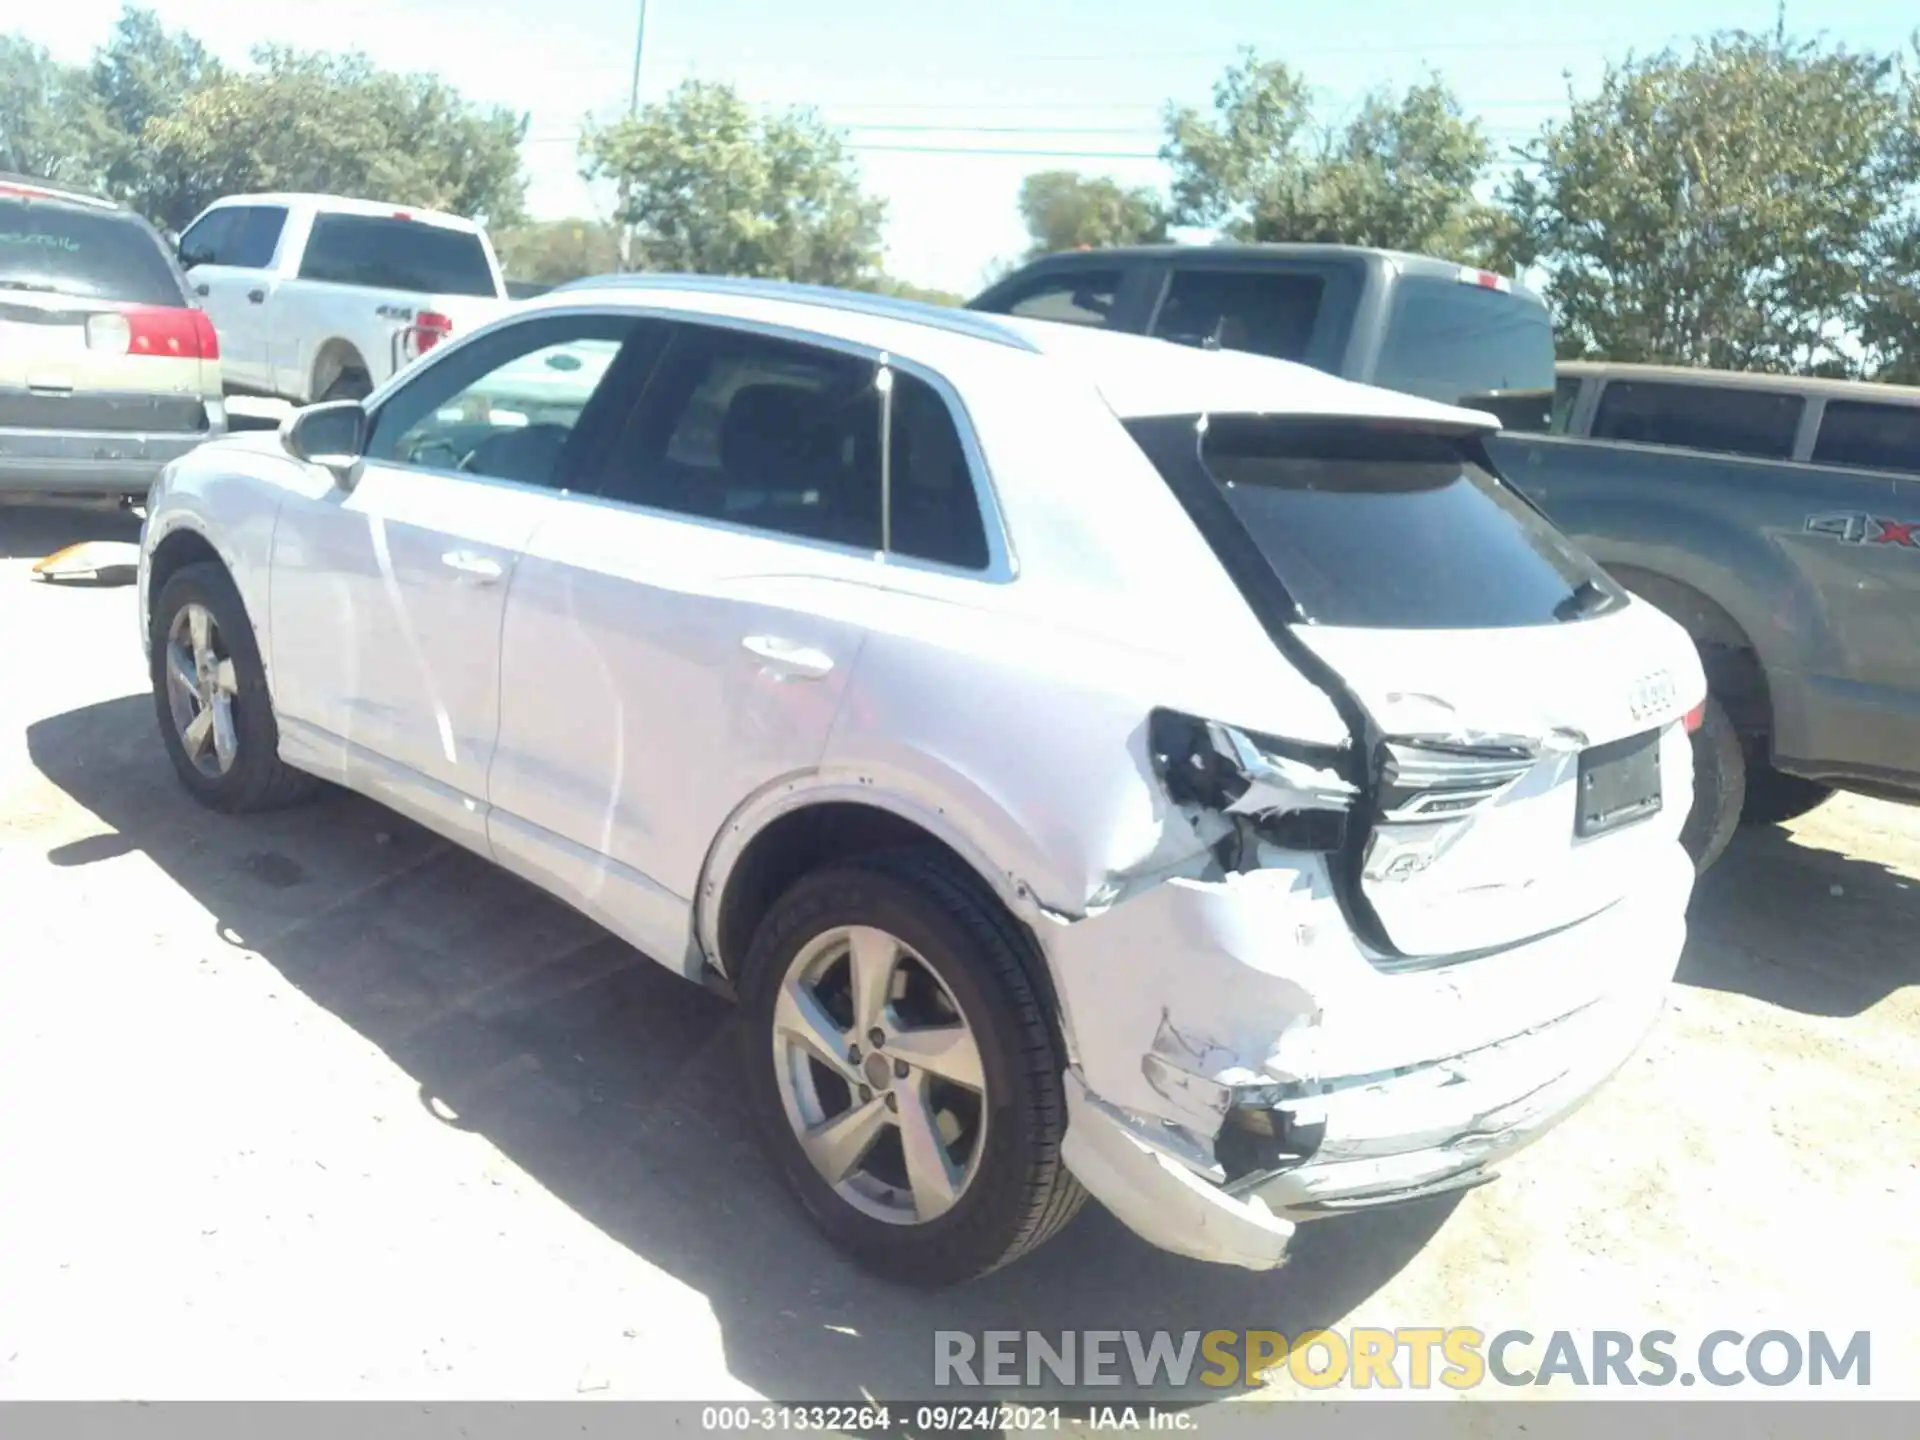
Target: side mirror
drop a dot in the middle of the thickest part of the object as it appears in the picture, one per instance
(333, 434)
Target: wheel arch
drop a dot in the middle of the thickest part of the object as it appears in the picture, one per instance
(1735, 675)
(333, 359)
(799, 824)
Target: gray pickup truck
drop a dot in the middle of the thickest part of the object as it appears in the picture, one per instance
(1777, 519)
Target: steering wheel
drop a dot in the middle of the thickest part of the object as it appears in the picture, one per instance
(528, 453)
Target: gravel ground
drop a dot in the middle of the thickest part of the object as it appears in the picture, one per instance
(313, 1105)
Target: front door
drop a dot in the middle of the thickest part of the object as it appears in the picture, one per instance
(388, 597)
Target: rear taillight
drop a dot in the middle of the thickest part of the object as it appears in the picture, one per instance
(1696, 717)
(432, 327)
(165, 331)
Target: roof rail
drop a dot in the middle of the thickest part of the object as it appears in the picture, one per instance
(886, 307)
(13, 184)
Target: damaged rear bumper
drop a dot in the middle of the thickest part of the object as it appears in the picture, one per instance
(1379, 1086)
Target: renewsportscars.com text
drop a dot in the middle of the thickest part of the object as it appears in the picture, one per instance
(1407, 1358)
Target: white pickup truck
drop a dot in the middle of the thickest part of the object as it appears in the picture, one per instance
(318, 297)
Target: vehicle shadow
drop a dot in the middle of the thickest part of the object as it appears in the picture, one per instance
(1796, 924)
(30, 529)
(615, 1086)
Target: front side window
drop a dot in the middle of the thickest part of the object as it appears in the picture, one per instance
(396, 254)
(1379, 529)
(508, 405)
(255, 236)
(1566, 394)
(208, 239)
(1869, 436)
(1718, 418)
(1080, 297)
(1267, 312)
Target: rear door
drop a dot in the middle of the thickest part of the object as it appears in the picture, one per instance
(1528, 764)
(95, 332)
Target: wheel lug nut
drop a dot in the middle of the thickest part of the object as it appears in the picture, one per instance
(893, 1101)
(867, 1094)
(899, 1069)
(876, 1037)
(853, 1054)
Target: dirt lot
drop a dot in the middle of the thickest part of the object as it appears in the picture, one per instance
(313, 1105)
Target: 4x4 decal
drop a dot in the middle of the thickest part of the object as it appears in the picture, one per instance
(1861, 529)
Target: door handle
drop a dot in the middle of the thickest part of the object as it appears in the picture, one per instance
(201, 289)
(479, 569)
(802, 662)
(254, 297)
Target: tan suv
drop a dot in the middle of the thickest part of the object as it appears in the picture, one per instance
(107, 369)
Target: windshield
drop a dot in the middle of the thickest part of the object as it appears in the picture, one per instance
(88, 254)
(1381, 529)
(393, 254)
(1470, 345)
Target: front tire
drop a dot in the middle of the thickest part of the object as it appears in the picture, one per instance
(1719, 788)
(210, 695)
(904, 1071)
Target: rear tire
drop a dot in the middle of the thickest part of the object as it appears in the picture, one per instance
(229, 761)
(349, 385)
(1774, 797)
(1000, 1148)
(1719, 788)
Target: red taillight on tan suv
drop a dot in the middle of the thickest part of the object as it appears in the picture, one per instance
(432, 327)
(169, 332)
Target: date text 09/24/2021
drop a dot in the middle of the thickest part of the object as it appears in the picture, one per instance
(986, 1419)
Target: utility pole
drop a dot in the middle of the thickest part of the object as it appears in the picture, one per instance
(633, 112)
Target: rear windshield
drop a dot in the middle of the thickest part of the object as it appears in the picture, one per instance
(1377, 528)
(389, 254)
(1468, 345)
(91, 255)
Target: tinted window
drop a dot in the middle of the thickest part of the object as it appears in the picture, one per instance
(1466, 344)
(209, 237)
(1566, 394)
(1376, 529)
(761, 432)
(935, 510)
(507, 405)
(1269, 312)
(254, 237)
(1873, 437)
(1083, 297)
(90, 254)
(1760, 423)
(396, 255)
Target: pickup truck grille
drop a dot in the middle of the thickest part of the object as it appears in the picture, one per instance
(108, 413)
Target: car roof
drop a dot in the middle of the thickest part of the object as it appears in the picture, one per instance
(1135, 375)
(348, 205)
(1742, 379)
(30, 188)
(1404, 261)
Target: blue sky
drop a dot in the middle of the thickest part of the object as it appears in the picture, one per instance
(911, 80)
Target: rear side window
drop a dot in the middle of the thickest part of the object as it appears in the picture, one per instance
(1467, 345)
(394, 254)
(1871, 437)
(1375, 529)
(88, 254)
(1083, 297)
(1269, 312)
(1728, 421)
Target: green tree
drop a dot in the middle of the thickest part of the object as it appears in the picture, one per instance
(1401, 174)
(1064, 210)
(51, 127)
(1728, 207)
(335, 123)
(551, 252)
(907, 290)
(142, 73)
(712, 189)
